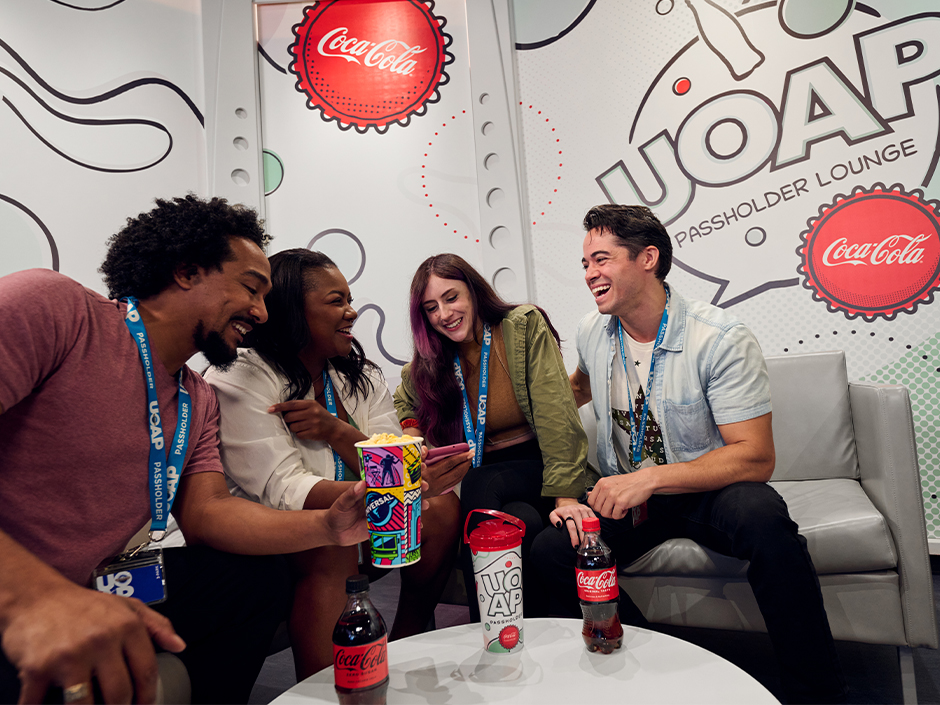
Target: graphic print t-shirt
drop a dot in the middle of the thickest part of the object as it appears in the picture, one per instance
(627, 387)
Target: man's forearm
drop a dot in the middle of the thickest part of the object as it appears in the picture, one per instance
(324, 493)
(238, 525)
(209, 515)
(714, 470)
(747, 456)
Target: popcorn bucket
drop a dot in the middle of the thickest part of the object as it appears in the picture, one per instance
(392, 472)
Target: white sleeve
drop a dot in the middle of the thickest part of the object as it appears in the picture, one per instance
(259, 453)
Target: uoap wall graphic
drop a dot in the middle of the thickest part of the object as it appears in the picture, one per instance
(791, 149)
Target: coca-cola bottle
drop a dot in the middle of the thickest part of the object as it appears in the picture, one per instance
(598, 590)
(360, 648)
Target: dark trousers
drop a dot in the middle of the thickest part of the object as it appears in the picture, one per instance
(225, 607)
(747, 520)
(510, 481)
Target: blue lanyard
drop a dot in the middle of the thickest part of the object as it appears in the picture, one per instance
(638, 435)
(163, 479)
(475, 438)
(331, 407)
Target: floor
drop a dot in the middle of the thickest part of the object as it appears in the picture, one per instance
(871, 671)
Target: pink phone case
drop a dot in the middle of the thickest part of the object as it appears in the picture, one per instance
(436, 454)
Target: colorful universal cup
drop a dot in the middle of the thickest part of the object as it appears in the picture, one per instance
(496, 545)
(392, 472)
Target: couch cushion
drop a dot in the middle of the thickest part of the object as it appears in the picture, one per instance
(843, 530)
(812, 418)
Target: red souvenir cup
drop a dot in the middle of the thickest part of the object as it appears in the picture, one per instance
(496, 545)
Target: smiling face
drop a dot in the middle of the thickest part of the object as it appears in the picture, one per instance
(230, 301)
(329, 313)
(449, 308)
(618, 281)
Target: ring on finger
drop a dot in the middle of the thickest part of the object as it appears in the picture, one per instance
(74, 693)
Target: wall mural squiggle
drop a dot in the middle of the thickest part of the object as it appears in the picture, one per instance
(19, 231)
(88, 9)
(352, 280)
(378, 333)
(107, 95)
(87, 122)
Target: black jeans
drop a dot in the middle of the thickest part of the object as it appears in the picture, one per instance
(747, 520)
(510, 481)
(225, 607)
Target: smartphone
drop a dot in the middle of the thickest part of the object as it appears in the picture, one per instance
(436, 454)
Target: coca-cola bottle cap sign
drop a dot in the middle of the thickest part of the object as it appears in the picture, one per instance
(873, 253)
(369, 64)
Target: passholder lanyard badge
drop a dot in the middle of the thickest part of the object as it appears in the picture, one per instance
(139, 573)
(475, 437)
(638, 430)
(638, 435)
(331, 407)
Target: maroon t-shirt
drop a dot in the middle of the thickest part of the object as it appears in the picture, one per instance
(75, 431)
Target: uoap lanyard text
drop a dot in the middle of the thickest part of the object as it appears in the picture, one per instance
(164, 473)
(328, 395)
(475, 437)
(638, 435)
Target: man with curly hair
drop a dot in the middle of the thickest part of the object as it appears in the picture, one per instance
(91, 391)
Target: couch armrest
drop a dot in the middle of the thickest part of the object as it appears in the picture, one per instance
(890, 476)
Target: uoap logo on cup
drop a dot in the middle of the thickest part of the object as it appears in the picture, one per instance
(369, 64)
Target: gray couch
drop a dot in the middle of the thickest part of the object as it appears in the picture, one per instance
(847, 468)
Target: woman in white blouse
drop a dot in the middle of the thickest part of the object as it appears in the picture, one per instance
(283, 448)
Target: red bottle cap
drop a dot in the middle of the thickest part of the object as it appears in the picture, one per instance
(590, 524)
(494, 534)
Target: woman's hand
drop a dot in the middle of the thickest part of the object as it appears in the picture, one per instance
(308, 420)
(568, 514)
(446, 473)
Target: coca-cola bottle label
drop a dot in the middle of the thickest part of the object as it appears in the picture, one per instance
(361, 666)
(598, 585)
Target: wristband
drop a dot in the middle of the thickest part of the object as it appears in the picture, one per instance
(409, 423)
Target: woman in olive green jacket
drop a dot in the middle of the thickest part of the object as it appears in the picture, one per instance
(528, 447)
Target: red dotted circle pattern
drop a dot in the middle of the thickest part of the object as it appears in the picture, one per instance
(424, 185)
(557, 139)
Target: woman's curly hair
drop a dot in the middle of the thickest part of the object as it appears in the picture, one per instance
(143, 256)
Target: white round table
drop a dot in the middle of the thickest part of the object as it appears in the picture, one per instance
(449, 666)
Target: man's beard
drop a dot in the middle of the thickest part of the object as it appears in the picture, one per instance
(214, 347)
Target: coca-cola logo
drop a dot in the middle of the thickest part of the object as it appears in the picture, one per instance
(874, 253)
(598, 580)
(354, 660)
(367, 64)
(360, 666)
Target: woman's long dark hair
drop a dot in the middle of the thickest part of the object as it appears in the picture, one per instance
(432, 369)
(281, 338)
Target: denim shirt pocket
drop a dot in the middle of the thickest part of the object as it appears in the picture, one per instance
(690, 430)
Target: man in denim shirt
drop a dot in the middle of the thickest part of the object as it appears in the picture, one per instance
(690, 381)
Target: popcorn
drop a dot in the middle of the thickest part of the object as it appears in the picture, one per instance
(379, 439)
